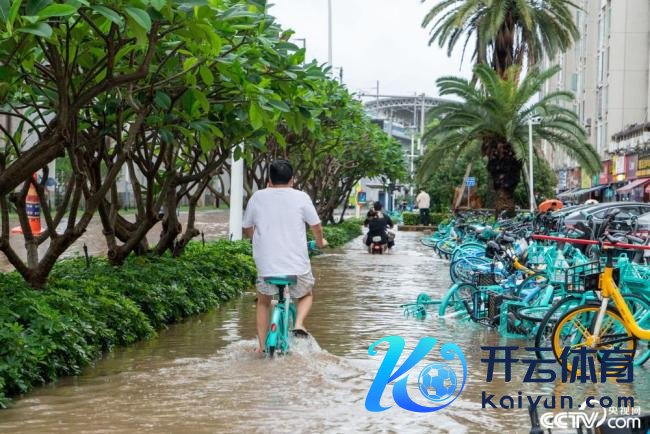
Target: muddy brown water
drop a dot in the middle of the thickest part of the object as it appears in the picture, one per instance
(213, 223)
(201, 376)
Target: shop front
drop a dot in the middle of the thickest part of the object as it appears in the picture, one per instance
(634, 191)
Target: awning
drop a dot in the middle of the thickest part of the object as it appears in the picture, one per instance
(578, 193)
(634, 184)
(566, 193)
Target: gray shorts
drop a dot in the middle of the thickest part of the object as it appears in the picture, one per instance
(303, 287)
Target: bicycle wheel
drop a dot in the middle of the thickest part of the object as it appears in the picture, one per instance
(532, 288)
(463, 269)
(285, 331)
(455, 297)
(575, 329)
(555, 312)
(468, 250)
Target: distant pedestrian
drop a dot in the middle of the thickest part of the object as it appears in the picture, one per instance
(423, 202)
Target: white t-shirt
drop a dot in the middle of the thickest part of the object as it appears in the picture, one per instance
(423, 200)
(280, 238)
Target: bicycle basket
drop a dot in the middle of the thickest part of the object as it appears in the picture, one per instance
(486, 307)
(485, 279)
(583, 277)
(536, 254)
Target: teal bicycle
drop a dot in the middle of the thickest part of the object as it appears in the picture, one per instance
(283, 316)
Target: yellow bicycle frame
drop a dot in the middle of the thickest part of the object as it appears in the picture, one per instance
(609, 289)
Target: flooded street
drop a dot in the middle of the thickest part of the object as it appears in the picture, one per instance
(213, 224)
(201, 376)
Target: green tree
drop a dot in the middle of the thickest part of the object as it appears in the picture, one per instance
(450, 171)
(504, 32)
(494, 113)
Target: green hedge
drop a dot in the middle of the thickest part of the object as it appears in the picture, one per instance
(340, 233)
(82, 312)
(413, 218)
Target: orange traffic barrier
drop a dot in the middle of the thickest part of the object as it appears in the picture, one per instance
(33, 208)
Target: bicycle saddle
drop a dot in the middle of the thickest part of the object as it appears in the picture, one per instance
(281, 280)
(635, 239)
(614, 240)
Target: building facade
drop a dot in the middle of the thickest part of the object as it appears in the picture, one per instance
(608, 70)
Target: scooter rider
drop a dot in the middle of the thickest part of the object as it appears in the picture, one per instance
(378, 223)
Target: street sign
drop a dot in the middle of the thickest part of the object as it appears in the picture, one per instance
(361, 198)
(471, 181)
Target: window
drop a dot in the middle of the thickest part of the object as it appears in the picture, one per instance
(599, 102)
(600, 67)
(601, 29)
(601, 136)
(574, 82)
(608, 22)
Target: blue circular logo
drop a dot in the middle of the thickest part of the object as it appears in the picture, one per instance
(437, 382)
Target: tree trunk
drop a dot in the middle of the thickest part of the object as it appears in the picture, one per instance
(505, 169)
(505, 201)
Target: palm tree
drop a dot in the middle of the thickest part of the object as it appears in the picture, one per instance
(506, 32)
(494, 113)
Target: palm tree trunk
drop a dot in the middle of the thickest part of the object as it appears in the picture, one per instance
(505, 170)
(505, 202)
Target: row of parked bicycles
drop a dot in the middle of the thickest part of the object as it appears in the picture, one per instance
(568, 284)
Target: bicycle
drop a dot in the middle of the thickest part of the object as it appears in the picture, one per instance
(599, 326)
(283, 316)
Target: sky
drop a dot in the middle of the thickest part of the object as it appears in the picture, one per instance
(373, 40)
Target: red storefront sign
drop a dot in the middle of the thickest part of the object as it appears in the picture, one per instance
(630, 170)
(605, 176)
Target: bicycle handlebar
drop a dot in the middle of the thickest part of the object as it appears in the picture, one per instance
(590, 242)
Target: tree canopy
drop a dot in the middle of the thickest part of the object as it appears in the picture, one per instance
(161, 93)
(493, 114)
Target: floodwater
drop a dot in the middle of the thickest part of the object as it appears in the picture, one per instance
(213, 224)
(202, 376)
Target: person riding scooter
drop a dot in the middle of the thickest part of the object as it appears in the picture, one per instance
(378, 223)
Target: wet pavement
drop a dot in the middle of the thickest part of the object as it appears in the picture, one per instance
(213, 224)
(202, 376)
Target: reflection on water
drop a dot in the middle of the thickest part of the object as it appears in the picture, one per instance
(212, 223)
(201, 376)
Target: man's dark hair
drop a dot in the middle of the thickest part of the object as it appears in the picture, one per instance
(280, 172)
(377, 206)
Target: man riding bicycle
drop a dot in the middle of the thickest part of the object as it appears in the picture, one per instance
(275, 220)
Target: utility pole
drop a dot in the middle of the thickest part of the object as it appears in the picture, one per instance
(377, 100)
(329, 33)
(236, 195)
(422, 116)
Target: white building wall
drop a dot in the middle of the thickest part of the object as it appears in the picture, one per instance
(609, 72)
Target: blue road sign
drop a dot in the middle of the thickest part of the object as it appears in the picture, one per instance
(471, 181)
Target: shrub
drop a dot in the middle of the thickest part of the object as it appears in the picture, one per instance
(438, 217)
(411, 218)
(340, 233)
(82, 312)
